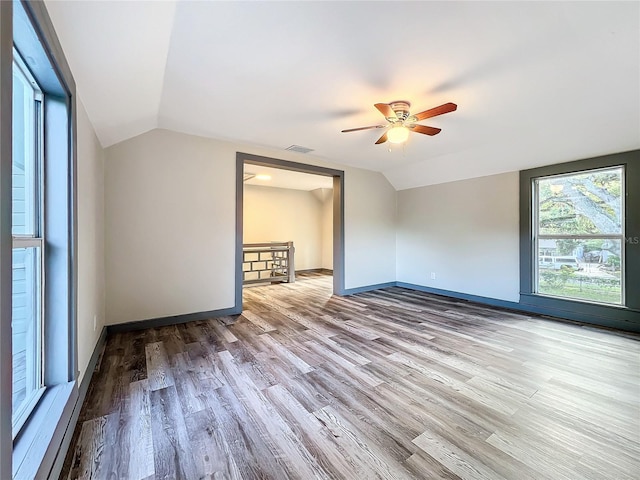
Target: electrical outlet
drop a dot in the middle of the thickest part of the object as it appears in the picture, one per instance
(433, 275)
(95, 322)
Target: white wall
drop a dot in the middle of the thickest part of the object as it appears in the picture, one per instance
(91, 278)
(170, 224)
(280, 214)
(466, 232)
(370, 238)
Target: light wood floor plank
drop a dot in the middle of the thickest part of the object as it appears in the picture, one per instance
(315, 436)
(158, 368)
(354, 443)
(296, 458)
(211, 452)
(172, 448)
(140, 437)
(454, 458)
(94, 456)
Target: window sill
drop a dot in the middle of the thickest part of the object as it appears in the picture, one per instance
(579, 301)
(614, 316)
(25, 411)
(35, 448)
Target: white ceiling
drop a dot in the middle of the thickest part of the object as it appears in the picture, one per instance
(286, 178)
(535, 82)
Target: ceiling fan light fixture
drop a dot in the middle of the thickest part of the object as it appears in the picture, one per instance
(398, 134)
(401, 122)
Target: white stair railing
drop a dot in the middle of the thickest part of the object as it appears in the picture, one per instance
(268, 262)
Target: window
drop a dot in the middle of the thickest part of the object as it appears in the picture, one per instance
(41, 241)
(579, 238)
(27, 231)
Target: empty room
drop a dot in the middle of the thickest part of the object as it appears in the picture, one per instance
(304, 240)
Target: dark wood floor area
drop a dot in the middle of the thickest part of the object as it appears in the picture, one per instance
(391, 384)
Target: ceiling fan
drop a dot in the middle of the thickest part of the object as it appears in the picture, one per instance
(401, 122)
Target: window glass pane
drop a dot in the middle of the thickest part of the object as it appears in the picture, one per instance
(25, 326)
(24, 165)
(584, 269)
(579, 204)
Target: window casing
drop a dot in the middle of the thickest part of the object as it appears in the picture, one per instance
(28, 245)
(36, 450)
(624, 312)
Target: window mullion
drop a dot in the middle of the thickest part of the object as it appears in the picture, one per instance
(27, 242)
(597, 236)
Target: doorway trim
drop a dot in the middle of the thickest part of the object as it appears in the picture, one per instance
(338, 214)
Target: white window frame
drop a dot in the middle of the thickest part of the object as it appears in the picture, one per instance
(34, 209)
(537, 236)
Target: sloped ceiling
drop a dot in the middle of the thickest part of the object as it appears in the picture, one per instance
(535, 82)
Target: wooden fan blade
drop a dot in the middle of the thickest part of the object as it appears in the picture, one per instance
(362, 128)
(382, 139)
(386, 110)
(426, 130)
(433, 112)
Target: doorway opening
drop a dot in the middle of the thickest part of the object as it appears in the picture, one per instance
(327, 186)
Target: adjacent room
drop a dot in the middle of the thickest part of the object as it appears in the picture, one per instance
(287, 224)
(308, 239)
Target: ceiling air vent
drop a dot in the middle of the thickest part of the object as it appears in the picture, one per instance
(299, 149)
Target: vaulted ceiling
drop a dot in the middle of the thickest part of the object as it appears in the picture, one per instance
(535, 82)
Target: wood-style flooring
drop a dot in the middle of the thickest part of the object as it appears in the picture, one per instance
(391, 384)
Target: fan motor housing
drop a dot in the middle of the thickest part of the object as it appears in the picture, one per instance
(401, 109)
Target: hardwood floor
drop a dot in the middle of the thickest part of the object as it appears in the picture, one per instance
(391, 384)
